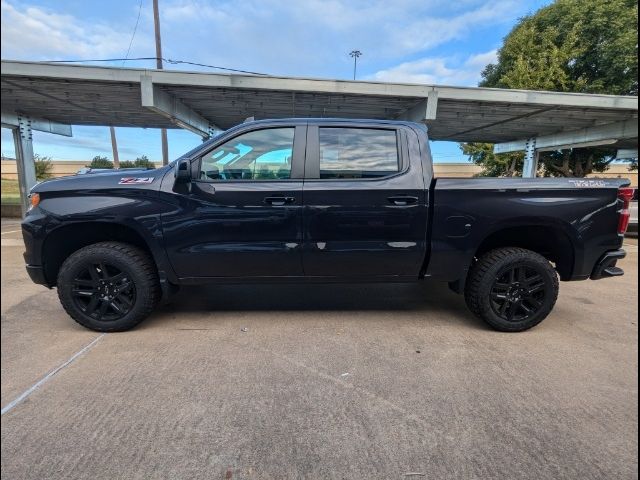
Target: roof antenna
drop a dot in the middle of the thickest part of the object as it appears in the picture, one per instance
(249, 119)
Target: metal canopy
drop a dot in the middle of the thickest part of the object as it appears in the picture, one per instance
(202, 102)
(52, 97)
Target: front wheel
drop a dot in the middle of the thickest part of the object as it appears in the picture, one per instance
(108, 286)
(512, 289)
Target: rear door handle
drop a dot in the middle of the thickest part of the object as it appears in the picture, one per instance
(279, 201)
(402, 200)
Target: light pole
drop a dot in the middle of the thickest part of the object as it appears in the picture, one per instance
(355, 54)
(156, 24)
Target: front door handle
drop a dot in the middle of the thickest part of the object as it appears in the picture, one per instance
(402, 200)
(279, 201)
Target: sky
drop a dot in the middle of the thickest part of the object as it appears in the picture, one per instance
(440, 42)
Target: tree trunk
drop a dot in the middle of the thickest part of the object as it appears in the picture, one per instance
(512, 168)
(589, 167)
(577, 162)
(566, 169)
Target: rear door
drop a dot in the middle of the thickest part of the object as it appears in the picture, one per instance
(365, 206)
(242, 214)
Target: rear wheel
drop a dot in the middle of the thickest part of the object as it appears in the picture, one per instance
(512, 289)
(108, 286)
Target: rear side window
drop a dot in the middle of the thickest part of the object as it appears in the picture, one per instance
(358, 152)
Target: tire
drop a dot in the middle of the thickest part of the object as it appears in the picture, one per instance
(108, 286)
(512, 289)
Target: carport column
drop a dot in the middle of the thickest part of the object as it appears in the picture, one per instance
(23, 140)
(530, 167)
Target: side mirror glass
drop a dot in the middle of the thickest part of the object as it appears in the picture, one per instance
(183, 171)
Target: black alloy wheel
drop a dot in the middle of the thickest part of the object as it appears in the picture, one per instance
(518, 293)
(103, 292)
(109, 286)
(511, 288)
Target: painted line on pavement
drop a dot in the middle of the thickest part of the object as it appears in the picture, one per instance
(48, 376)
(10, 231)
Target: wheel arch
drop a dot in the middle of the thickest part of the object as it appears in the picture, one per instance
(66, 239)
(551, 241)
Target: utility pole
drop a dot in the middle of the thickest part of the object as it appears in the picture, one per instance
(355, 54)
(114, 148)
(163, 131)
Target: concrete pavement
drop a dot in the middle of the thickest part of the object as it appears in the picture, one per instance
(327, 382)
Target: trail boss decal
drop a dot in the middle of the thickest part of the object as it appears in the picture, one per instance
(135, 180)
(588, 183)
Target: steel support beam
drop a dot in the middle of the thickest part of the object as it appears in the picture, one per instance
(626, 153)
(170, 107)
(585, 137)
(530, 159)
(22, 127)
(427, 109)
(12, 120)
(23, 140)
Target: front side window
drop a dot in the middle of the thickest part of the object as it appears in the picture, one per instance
(258, 155)
(357, 153)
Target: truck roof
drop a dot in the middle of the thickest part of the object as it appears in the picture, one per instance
(333, 119)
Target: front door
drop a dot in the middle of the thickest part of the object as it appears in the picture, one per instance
(243, 214)
(365, 204)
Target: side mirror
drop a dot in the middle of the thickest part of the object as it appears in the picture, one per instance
(183, 171)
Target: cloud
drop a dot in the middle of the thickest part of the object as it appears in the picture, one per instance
(282, 37)
(39, 34)
(440, 71)
(483, 59)
(313, 37)
(309, 38)
(431, 31)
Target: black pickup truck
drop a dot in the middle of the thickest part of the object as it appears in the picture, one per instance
(319, 200)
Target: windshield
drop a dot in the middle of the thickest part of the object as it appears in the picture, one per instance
(204, 144)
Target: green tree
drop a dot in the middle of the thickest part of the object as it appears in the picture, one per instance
(572, 46)
(505, 165)
(144, 162)
(568, 46)
(100, 162)
(576, 162)
(140, 162)
(43, 167)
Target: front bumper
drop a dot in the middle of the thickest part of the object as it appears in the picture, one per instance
(36, 273)
(33, 233)
(606, 266)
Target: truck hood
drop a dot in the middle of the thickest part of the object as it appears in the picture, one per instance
(130, 179)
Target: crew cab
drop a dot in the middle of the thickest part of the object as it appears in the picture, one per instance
(319, 200)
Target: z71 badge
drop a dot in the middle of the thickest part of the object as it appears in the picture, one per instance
(135, 180)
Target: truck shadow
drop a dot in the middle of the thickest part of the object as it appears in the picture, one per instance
(433, 300)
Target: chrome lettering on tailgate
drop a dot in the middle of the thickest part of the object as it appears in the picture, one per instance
(588, 183)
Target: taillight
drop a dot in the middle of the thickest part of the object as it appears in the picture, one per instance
(624, 194)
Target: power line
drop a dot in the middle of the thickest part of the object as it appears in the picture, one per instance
(168, 60)
(135, 28)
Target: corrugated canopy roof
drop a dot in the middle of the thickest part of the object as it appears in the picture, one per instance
(90, 95)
